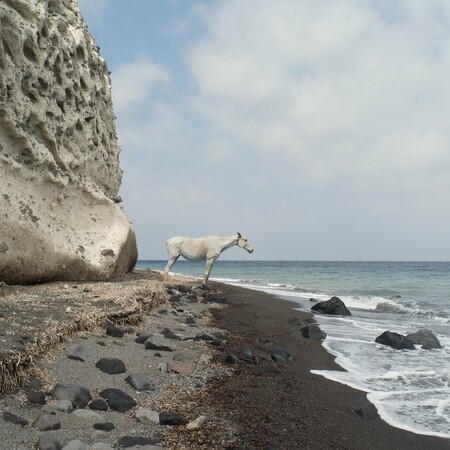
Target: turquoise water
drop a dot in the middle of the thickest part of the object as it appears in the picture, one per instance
(411, 389)
(423, 286)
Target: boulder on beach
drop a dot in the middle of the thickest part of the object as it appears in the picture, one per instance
(111, 366)
(395, 340)
(335, 306)
(171, 418)
(59, 152)
(118, 400)
(78, 395)
(137, 442)
(16, 420)
(139, 381)
(313, 331)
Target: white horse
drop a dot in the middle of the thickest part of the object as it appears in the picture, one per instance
(206, 248)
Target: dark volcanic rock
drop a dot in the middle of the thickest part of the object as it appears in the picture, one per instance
(171, 418)
(203, 337)
(175, 298)
(37, 398)
(232, 359)
(426, 338)
(215, 298)
(78, 352)
(168, 334)
(190, 321)
(335, 306)
(112, 330)
(139, 382)
(104, 426)
(395, 340)
(142, 337)
(313, 331)
(301, 322)
(117, 400)
(281, 353)
(35, 383)
(98, 405)
(47, 422)
(217, 342)
(246, 353)
(111, 366)
(134, 441)
(79, 396)
(278, 359)
(183, 289)
(153, 343)
(16, 420)
(297, 333)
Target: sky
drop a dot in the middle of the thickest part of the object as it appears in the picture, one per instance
(318, 129)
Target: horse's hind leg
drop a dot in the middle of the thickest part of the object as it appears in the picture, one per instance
(171, 261)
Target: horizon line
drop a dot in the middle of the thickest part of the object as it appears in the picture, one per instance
(306, 260)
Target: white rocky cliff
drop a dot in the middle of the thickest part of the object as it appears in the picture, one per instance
(59, 165)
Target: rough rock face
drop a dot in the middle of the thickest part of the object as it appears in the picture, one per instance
(59, 165)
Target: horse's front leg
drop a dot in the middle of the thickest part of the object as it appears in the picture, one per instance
(208, 267)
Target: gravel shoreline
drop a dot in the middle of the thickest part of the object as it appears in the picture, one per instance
(64, 402)
(199, 369)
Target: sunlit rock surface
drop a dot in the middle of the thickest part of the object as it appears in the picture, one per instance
(59, 165)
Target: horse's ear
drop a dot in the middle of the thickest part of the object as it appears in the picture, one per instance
(239, 234)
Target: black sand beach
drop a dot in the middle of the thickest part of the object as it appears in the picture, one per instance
(294, 408)
(225, 343)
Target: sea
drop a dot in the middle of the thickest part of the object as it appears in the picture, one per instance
(409, 388)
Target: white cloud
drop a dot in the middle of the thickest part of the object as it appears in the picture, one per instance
(134, 81)
(343, 92)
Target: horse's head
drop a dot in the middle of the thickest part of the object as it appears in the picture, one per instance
(243, 243)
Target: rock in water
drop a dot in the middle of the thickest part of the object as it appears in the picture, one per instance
(335, 306)
(59, 153)
(395, 340)
(426, 338)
